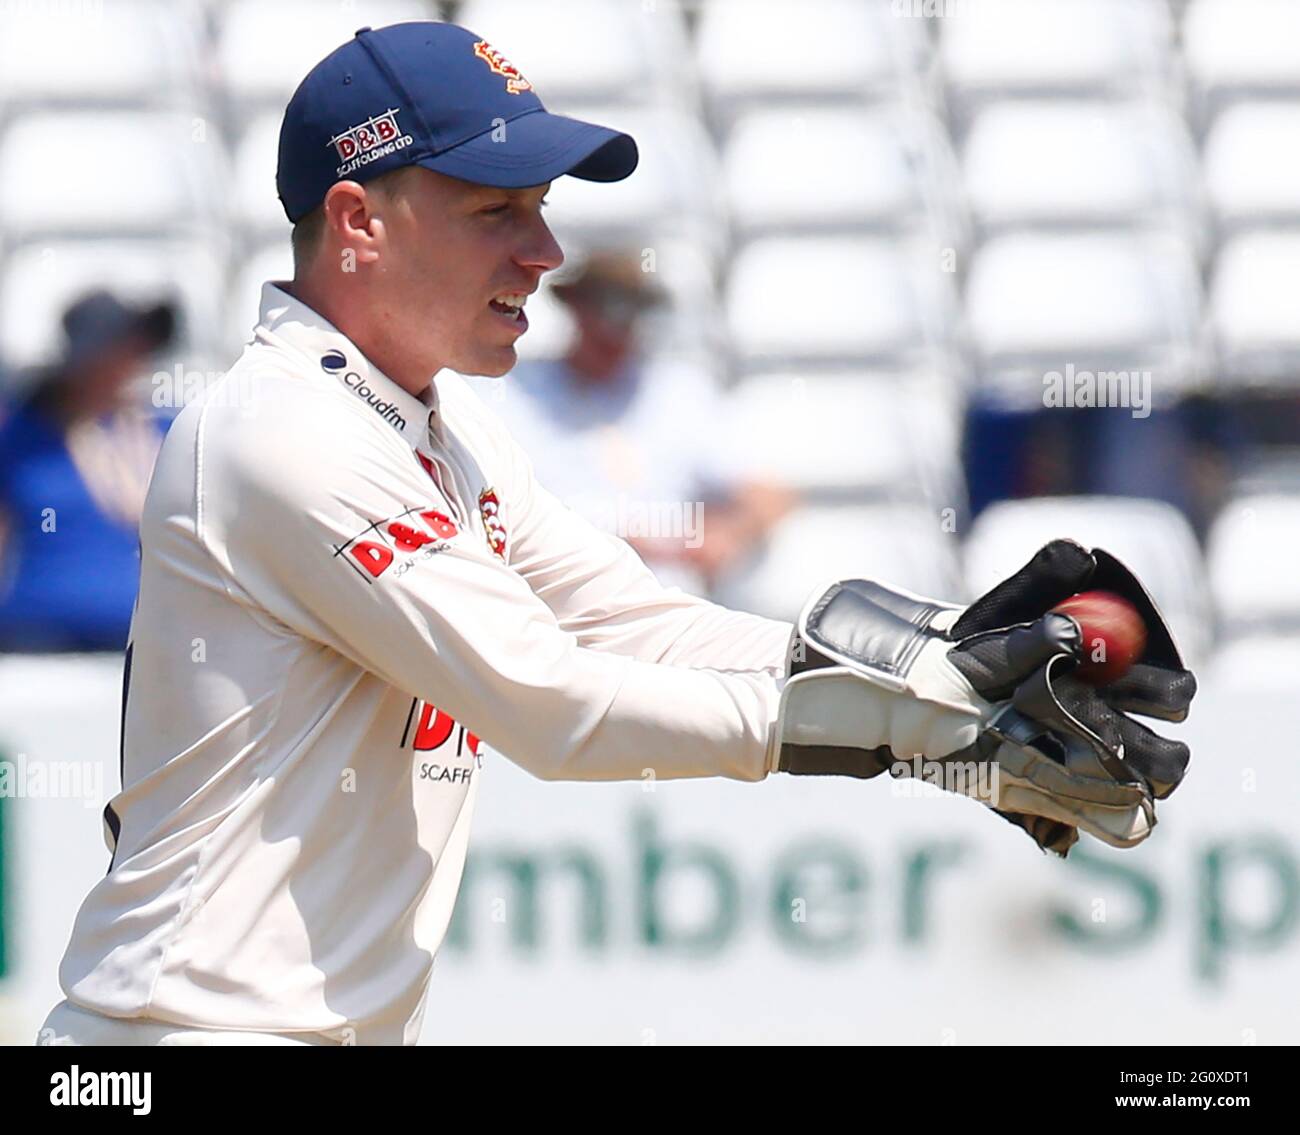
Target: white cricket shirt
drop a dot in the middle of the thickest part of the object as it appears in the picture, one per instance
(343, 588)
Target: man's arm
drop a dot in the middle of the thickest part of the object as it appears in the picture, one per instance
(351, 547)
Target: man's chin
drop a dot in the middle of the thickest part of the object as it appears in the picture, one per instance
(491, 362)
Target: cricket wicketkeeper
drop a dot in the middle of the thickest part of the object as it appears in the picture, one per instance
(352, 585)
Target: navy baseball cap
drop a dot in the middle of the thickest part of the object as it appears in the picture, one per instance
(436, 95)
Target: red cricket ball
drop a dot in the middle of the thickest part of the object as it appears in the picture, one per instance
(1114, 635)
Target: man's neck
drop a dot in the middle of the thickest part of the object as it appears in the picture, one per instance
(414, 379)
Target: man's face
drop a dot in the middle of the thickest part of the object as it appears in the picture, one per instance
(606, 334)
(457, 257)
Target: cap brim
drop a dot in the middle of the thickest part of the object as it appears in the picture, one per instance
(536, 148)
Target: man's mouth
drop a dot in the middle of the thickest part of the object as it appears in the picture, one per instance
(510, 305)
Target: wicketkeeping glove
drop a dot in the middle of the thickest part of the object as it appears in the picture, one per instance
(878, 677)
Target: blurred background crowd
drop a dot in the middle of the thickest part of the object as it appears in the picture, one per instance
(824, 329)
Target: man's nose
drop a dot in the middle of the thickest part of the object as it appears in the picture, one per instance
(542, 251)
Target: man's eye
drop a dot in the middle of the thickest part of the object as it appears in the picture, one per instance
(504, 207)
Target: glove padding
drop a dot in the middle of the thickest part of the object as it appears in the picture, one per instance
(878, 676)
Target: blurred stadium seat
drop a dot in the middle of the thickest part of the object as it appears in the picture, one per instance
(1151, 537)
(1083, 163)
(135, 53)
(170, 184)
(1242, 48)
(574, 50)
(264, 48)
(688, 273)
(1037, 302)
(839, 300)
(829, 50)
(1000, 48)
(1252, 553)
(273, 261)
(848, 435)
(887, 169)
(1252, 165)
(1254, 665)
(1255, 310)
(257, 204)
(904, 544)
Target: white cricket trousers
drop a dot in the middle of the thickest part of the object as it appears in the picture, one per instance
(71, 1024)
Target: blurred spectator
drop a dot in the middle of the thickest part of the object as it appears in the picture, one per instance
(638, 445)
(74, 467)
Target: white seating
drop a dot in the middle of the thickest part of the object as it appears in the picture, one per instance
(113, 171)
(900, 544)
(832, 50)
(838, 167)
(687, 272)
(130, 52)
(996, 48)
(838, 299)
(589, 49)
(265, 48)
(271, 261)
(1255, 308)
(1253, 665)
(843, 434)
(1252, 552)
(1065, 163)
(1252, 164)
(1093, 300)
(1236, 47)
(40, 280)
(1150, 537)
(256, 154)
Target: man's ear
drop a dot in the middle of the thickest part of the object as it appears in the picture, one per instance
(350, 216)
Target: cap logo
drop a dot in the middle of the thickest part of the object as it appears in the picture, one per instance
(515, 82)
(369, 141)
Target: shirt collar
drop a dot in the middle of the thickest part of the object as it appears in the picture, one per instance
(290, 325)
